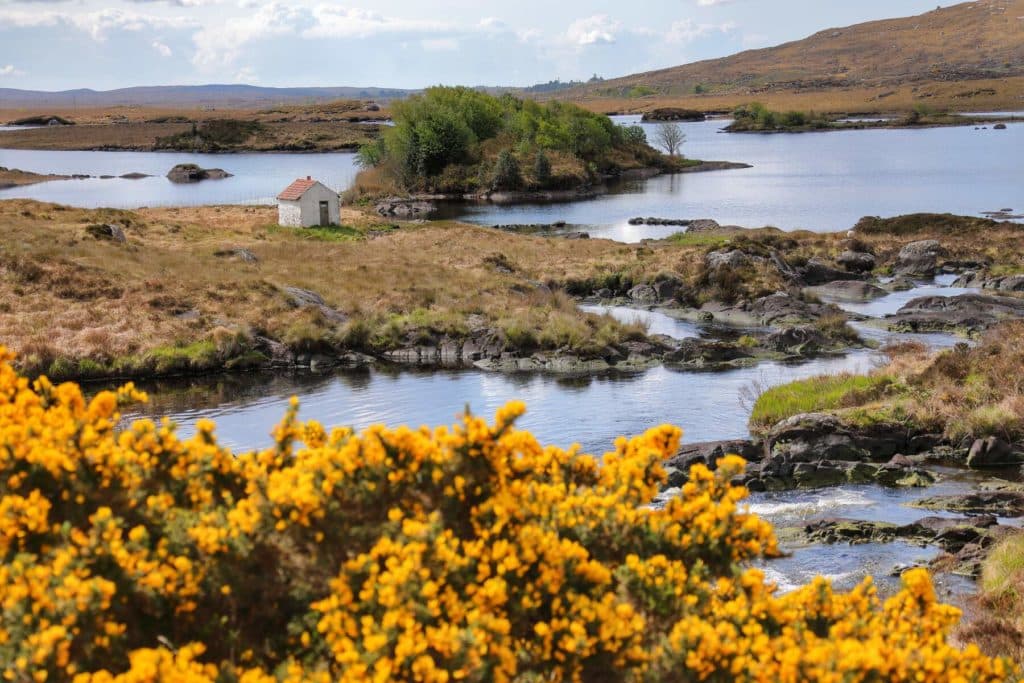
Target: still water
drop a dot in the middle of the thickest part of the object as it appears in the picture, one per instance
(817, 181)
(258, 178)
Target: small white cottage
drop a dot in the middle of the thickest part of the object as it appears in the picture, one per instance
(308, 202)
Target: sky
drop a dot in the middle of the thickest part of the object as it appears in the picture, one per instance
(106, 44)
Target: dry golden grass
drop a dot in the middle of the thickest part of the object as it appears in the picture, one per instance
(67, 294)
(1007, 94)
(967, 56)
(12, 177)
(340, 110)
(142, 136)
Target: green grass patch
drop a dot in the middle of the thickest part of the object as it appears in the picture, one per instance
(698, 239)
(321, 233)
(817, 394)
(1002, 574)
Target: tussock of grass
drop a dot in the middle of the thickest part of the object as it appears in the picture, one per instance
(998, 627)
(817, 394)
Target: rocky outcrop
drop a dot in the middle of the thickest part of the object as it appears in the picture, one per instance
(801, 340)
(818, 272)
(847, 290)
(239, 253)
(815, 436)
(710, 452)
(964, 313)
(107, 231)
(702, 354)
(304, 298)
(856, 261)
(650, 220)
(725, 258)
(404, 208)
(1002, 502)
(191, 173)
(964, 540)
(1006, 283)
(673, 114)
(919, 259)
(993, 452)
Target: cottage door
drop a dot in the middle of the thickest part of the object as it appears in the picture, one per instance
(325, 214)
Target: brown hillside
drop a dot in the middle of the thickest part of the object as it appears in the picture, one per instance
(972, 41)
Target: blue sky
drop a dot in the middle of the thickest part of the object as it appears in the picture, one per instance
(61, 44)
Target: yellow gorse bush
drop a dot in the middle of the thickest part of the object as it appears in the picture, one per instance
(469, 553)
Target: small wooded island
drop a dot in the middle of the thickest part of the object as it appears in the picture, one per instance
(461, 143)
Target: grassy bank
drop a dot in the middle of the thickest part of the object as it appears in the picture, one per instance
(962, 393)
(998, 625)
(13, 177)
(205, 288)
(758, 118)
(193, 289)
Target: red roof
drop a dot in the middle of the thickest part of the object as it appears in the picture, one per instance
(295, 191)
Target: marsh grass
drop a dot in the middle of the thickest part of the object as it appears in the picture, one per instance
(817, 394)
(998, 625)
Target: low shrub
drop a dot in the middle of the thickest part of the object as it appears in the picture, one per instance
(464, 553)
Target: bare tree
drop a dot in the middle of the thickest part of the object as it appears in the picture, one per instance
(670, 137)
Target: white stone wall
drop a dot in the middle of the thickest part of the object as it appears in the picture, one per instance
(289, 214)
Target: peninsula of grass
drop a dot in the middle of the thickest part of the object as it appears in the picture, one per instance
(758, 118)
(962, 394)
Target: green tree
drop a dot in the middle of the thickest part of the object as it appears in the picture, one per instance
(541, 169)
(506, 175)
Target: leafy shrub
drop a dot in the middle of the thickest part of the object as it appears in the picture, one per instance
(446, 127)
(541, 169)
(634, 135)
(469, 553)
(506, 174)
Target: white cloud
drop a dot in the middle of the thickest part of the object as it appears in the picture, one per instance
(220, 45)
(97, 24)
(246, 75)
(440, 44)
(344, 22)
(9, 70)
(593, 30)
(162, 49)
(686, 31)
(711, 3)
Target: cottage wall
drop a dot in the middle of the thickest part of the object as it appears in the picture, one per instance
(289, 214)
(310, 204)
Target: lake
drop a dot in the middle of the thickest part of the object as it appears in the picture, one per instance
(258, 178)
(819, 181)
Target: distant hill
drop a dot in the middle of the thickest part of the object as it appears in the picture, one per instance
(189, 96)
(972, 41)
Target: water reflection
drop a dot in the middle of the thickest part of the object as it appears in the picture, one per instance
(817, 181)
(592, 410)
